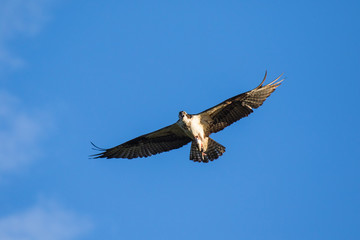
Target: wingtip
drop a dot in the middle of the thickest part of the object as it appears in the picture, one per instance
(96, 147)
(262, 82)
(277, 82)
(97, 155)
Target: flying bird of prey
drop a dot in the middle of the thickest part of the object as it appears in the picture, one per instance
(194, 128)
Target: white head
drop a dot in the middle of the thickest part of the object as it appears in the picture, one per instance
(183, 115)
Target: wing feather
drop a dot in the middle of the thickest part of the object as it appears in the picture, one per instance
(235, 108)
(162, 140)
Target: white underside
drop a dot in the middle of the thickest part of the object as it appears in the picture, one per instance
(193, 128)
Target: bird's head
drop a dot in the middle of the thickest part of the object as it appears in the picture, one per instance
(183, 115)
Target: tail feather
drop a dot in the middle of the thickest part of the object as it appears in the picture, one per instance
(214, 151)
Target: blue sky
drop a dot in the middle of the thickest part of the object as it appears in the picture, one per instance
(72, 72)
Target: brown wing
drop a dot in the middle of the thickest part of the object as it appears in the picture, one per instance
(235, 108)
(162, 140)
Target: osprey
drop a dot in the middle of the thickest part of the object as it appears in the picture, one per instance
(194, 128)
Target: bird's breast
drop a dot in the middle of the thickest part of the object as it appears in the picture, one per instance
(195, 127)
(192, 127)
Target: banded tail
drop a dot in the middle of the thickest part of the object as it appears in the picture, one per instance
(214, 151)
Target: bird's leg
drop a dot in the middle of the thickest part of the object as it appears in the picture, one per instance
(200, 147)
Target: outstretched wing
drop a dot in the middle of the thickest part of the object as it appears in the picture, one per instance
(235, 108)
(162, 140)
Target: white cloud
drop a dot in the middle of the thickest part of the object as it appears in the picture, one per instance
(20, 130)
(20, 133)
(44, 221)
(19, 18)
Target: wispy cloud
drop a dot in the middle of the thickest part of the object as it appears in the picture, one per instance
(20, 129)
(44, 221)
(19, 18)
(20, 133)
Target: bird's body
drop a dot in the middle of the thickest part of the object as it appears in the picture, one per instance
(192, 125)
(195, 128)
